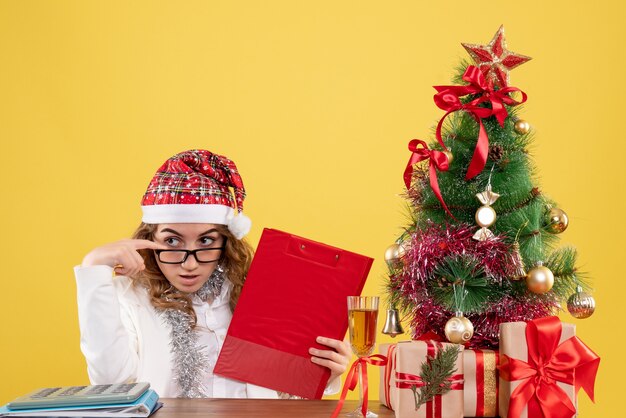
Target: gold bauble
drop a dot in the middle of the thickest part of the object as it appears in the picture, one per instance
(485, 216)
(449, 155)
(459, 329)
(394, 254)
(522, 127)
(581, 304)
(556, 220)
(540, 279)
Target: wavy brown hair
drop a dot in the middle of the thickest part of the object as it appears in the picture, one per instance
(235, 260)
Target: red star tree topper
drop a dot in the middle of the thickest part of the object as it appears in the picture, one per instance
(494, 60)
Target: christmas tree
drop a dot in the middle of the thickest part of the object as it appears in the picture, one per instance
(481, 245)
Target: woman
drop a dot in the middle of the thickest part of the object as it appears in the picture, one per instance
(164, 316)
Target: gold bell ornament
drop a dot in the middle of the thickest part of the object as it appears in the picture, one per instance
(581, 304)
(518, 263)
(393, 326)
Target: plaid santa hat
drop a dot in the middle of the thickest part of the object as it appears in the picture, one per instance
(195, 187)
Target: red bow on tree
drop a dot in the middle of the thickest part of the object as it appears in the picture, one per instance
(438, 161)
(448, 98)
(549, 362)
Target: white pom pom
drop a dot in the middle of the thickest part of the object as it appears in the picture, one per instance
(239, 225)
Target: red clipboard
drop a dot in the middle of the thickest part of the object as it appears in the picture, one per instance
(296, 290)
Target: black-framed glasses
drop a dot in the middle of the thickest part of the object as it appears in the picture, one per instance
(202, 255)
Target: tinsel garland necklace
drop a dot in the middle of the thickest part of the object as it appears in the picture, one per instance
(190, 362)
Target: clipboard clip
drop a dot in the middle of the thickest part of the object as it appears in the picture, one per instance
(313, 251)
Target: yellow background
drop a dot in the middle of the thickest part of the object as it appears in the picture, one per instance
(315, 101)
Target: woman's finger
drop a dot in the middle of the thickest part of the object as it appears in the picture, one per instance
(335, 368)
(126, 259)
(139, 260)
(340, 346)
(134, 258)
(140, 244)
(329, 354)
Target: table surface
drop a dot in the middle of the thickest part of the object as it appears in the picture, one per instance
(188, 408)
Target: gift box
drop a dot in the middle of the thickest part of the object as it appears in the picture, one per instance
(387, 374)
(542, 367)
(401, 381)
(480, 391)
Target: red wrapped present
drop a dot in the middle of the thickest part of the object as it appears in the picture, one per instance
(402, 383)
(542, 366)
(480, 392)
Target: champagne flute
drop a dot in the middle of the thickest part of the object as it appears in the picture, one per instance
(362, 318)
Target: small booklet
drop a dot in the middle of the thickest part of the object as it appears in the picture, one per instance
(144, 406)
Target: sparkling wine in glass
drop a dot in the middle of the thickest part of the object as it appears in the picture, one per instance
(362, 318)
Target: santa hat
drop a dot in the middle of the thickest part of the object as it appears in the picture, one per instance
(195, 187)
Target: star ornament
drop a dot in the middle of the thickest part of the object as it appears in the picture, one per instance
(494, 60)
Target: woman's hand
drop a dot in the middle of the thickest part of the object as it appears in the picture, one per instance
(122, 255)
(336, 360)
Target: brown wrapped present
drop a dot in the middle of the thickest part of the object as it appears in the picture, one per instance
(387, 375)
(402, 382)
(542, 367)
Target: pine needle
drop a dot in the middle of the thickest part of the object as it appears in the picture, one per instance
(436, 373)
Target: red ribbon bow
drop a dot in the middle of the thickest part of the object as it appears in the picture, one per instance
(438, 161)
(352, 379)
(549, 362)
(448, 98)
